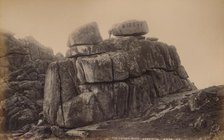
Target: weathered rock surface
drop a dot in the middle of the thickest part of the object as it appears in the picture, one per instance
(23, 63)
(129, 28)
(113, 79)
(85, 35)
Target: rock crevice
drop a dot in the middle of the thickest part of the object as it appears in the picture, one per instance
(60, 92)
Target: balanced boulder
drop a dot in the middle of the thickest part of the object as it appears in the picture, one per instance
(87, 34)
(129, 28)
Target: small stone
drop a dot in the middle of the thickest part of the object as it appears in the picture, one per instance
(40, 122)
(77, 133)
(17, 134)
(200, 123)
(58, 132)
(42, 131)
(28, 134)
(162, 107)
(152, 39)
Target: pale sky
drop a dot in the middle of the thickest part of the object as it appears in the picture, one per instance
(195, 27)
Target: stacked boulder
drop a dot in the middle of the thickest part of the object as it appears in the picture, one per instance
(85, 35)
(129, 28)
(23, 64)
(107, 79)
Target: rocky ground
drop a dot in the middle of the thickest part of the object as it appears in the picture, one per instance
(188, 115)
(193, 114)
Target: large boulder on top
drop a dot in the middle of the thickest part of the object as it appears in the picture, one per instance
(129, 28)
(116, 78)
(87, 34)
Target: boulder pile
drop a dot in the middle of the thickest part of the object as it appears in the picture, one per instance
(114, 78)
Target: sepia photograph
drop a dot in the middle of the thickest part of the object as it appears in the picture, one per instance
(112, 69)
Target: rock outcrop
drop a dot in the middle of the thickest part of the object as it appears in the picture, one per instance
(114, 79)
(23, 64)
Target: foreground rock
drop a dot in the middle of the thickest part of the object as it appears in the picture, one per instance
(23, 64)
(114, 79)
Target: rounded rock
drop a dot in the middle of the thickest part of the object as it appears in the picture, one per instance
(87, 34)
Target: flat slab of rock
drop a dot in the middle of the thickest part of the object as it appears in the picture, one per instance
(77, 133)
(129, 28)
(87, 34)
(84, 50)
